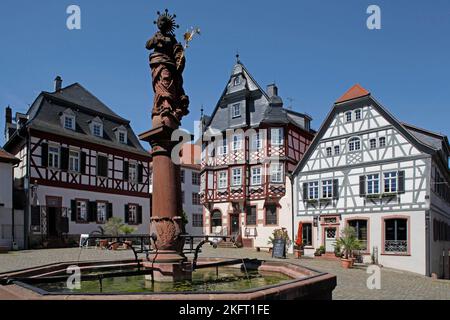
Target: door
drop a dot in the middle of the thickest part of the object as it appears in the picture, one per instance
(52, 216)
(234, 225)
(330, 239)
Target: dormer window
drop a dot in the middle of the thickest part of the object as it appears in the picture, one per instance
(236, 81)
(121, 134)
(68, 119)
(236, 110)
(97, 129)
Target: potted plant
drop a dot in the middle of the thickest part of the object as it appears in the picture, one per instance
(280, 234)
(317, 253)
(322, 250)
(337, 250)
(348, 242)
(298, 251)
(127, 230)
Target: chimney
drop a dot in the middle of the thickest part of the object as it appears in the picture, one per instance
(58, 83)
(272, 90)
(8, 115)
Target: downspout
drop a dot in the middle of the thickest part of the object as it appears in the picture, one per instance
(27, 193)
(291, 177)
(13, 233)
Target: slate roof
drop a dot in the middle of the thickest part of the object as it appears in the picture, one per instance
(45, 115)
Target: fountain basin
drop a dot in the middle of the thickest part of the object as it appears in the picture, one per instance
(124, 280)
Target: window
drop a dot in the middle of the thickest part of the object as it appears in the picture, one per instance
(250, 216)
(373, 184)
(101, 212)
(382, 142)
(195, 198)
(358, 114)
(237, 142)
(122, 137)
(223, 180)
(132, 172)
(82, 211)
(373, 143)
(313, 190)
(216, 219)
(329, 152)
(256, 141)
(337, 150)
(236, 110)
(256, 176)
(307, 234)
(396, 235)
(361, 231)
(390, 182)
(327, 189)
(236, 81)
(348, 116)
(271, 214)
(197, 220)
(74, 161)
(354, 144)
(53, 157)
(182, 176)
(69, 122)
(223, 148)
(277, 136)
(195, 178)
(97, 129)
(276, 172)
(132, 214)
(236, 176)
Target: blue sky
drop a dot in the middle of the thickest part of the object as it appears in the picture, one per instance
(313, 50)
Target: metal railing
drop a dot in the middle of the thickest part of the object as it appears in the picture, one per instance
(400, 246)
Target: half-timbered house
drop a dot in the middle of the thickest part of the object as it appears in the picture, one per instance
(387, 179)
(251, 144)
(81, 164)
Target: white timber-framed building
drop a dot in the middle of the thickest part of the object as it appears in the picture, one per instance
(387, 179)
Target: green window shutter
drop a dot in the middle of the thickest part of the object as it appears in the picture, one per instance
(64, 158)
(109, 212)
(44, 154)
(126, 213)
(73, 210)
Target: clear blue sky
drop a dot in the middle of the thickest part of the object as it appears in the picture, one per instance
(314, 50)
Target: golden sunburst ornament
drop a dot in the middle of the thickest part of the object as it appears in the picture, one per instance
(166, 22)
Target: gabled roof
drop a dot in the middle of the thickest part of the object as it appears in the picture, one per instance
(7, 157)
(366, 99)
(353, 93)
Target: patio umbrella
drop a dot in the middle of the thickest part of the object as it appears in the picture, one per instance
(299, 240)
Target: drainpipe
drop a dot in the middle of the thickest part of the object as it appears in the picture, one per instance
(27, 193)
(13, 233)
(291, 178)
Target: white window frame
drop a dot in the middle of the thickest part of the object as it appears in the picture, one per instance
(256, 176)
(102, 209)
(54, 157)
(197, 220)
(382, 145)
(313, 190)
(100, 129)
(72, 122)
(222, 149)
(236, 176)
(132, 172)
(237, 142)
(373, 183)
(327, 189)
(256, 141)
(222, 180)
(391, 178)
(348, 116)
(358, 114)
(276, 172)
(81, 214)
(277, 136)
(74, 161)
(352, 144)
(373, 143)
(132, 214)
(329, 151)
(337, 150)
(236, 110)
(125, 138)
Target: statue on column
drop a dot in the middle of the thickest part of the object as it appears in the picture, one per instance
(167, 63)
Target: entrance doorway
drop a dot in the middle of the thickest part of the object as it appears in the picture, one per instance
(234, 225)
(54, 211)
(330, 239)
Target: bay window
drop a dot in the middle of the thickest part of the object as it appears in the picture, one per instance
(256, 176)
(276, 172)
(236, 176)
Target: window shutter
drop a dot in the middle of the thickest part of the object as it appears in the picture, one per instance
(102, 166)
(305, 191)
(92, 216)
(73, 210)
(64, 225)
(109, 211)
(401, 182)
(140, 172)
(126, 170)
(126, 213)
(362, 186)
(35, 215)
(83, 162)
(64, 158)
(44, 154)
(139, 215)
(335, 189)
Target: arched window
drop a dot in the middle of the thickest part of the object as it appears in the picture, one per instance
(216, 221)
(354, 144)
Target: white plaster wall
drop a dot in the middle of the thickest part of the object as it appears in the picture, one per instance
(6, 181)
(188, 207)
(118, 201)
(6, 227)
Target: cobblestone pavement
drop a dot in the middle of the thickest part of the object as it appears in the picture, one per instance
(395, 284)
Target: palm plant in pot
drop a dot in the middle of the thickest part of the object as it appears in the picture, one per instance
(348, 242)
